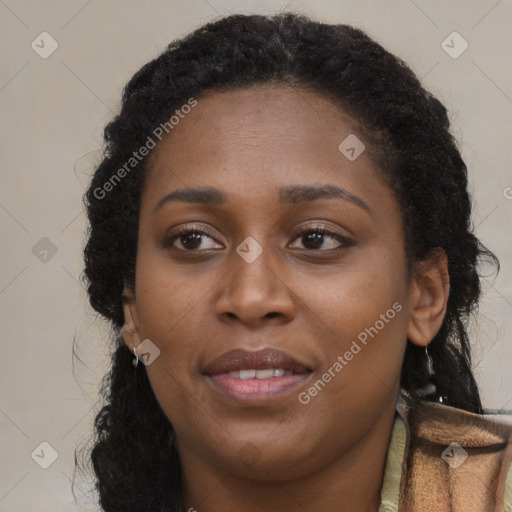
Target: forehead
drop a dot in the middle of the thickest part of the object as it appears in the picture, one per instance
(255, 140)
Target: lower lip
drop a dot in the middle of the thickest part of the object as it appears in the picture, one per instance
(257, 391)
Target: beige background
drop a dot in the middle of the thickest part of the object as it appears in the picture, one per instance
(52, 114)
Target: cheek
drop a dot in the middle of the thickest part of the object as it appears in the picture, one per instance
(364, 332)
(170, 310)
(167, 294)
(355, 296)
(361, 312)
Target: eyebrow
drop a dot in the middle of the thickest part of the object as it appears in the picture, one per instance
(293, 194)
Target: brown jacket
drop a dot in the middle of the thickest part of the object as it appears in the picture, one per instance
(440, 476)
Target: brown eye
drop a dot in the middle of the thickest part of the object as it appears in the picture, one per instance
(190, 239)
(316, 238)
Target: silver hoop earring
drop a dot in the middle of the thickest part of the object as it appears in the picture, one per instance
(430, 364)
(430, 388)
(135, 362)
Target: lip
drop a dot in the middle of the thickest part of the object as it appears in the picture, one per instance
(236, 360)
(255, 392)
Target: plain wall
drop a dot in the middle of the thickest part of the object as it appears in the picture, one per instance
(53, 112)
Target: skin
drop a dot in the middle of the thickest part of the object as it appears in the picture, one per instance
(330, 453)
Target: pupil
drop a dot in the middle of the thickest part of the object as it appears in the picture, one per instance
(316, 238)
(195, 243)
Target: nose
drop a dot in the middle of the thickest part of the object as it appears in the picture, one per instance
(255, 293)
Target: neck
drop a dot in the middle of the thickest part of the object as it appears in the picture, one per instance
(352, 480)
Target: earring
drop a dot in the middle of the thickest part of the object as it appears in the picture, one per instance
(135, 362)
(430, 363)
(430, 388)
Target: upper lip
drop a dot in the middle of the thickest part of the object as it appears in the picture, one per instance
(236, 360)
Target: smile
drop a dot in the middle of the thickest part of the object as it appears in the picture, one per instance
(255, 378)
(269, 373)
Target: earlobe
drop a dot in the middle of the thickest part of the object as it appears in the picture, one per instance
(429, 297)
(130, 329)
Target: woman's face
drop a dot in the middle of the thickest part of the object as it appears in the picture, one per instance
(337, 306)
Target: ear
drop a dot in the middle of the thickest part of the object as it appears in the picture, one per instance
(130, 329)
(428, 298)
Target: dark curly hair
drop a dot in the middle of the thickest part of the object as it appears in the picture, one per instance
(134, 456)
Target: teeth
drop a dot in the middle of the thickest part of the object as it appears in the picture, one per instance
(269, 373)
(264, 374)
(247, 374)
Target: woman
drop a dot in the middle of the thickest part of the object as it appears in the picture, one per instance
(280, 236)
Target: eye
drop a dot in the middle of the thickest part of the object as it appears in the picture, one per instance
(314, 238)
(189, 238)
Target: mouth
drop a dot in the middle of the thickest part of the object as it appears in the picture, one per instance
(255, 378)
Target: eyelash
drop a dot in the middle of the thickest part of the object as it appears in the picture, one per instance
(187, 230)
